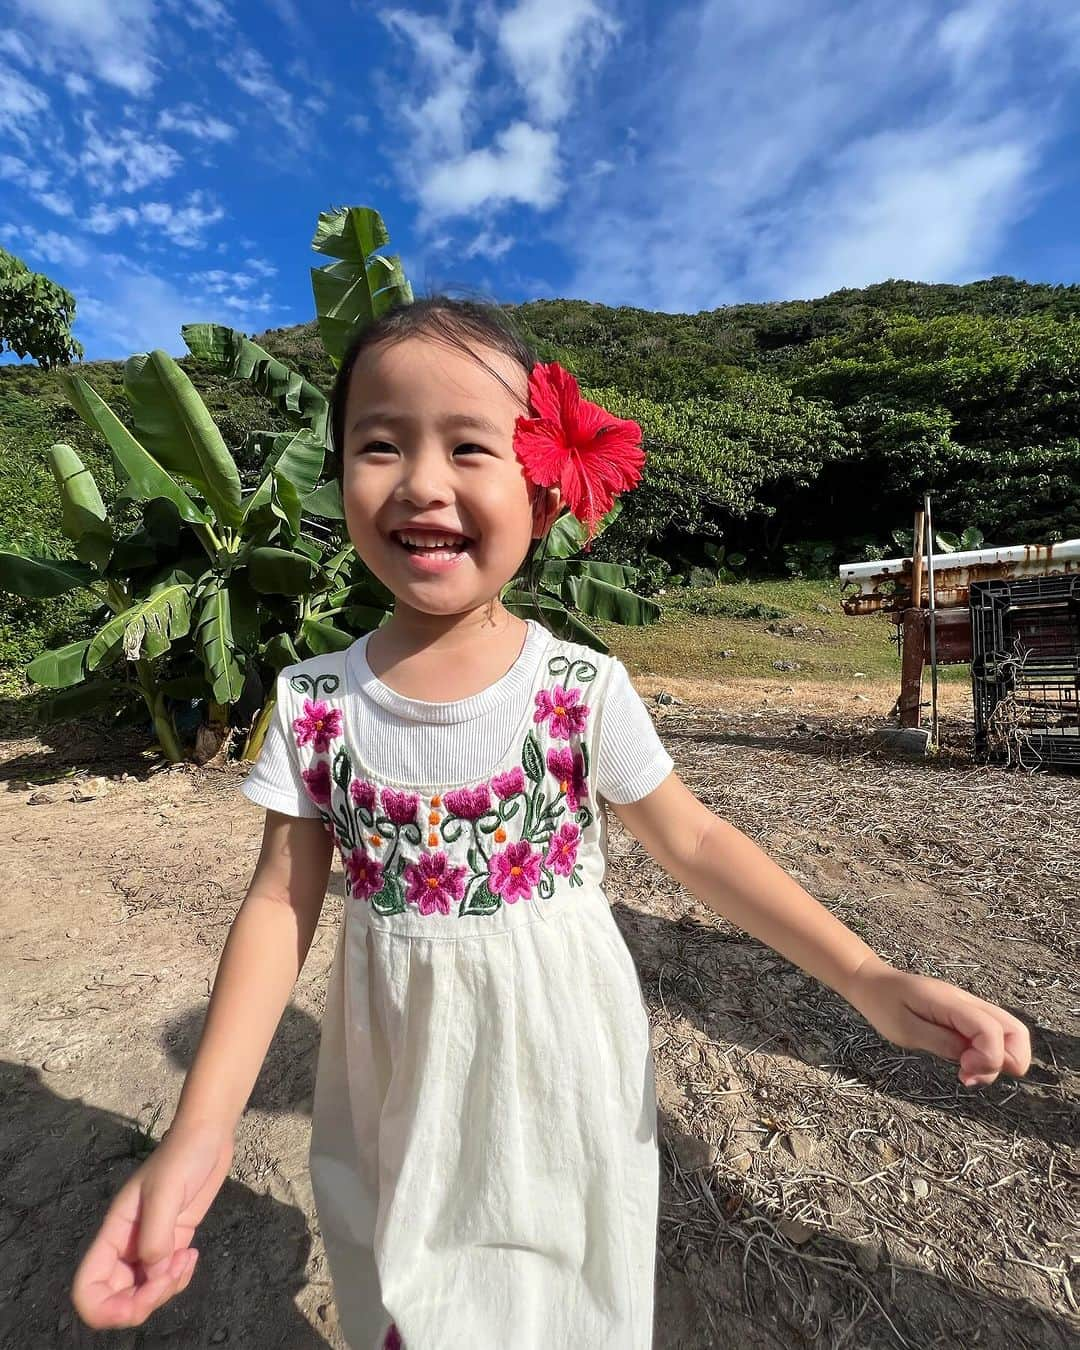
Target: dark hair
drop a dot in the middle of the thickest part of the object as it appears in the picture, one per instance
(464, 324)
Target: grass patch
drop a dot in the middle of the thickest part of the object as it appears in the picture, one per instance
(799, 623)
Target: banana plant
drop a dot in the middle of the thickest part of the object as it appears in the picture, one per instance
(210, 567)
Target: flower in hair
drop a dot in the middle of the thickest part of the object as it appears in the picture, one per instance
(588, 452)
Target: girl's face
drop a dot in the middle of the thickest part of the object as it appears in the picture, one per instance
(428, 442)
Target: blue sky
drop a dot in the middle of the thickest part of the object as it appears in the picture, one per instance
(166, 160)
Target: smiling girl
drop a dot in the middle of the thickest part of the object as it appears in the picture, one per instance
(483, 1150)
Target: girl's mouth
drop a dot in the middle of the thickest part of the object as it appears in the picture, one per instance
(428, 559)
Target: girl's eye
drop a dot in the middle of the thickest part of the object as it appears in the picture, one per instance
(378, 446)
(470, 446)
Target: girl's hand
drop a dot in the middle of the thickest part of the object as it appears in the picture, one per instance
(141, 1256)
(923, 1013)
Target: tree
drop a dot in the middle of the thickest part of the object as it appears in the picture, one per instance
(35, 315)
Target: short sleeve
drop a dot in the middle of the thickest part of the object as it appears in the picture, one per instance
(274, 779)
(630, 760)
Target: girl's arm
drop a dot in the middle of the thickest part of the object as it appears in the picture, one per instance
(141, 1255)
(262, 958)
(724, 868)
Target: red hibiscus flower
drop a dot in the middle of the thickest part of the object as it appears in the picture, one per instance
(434, 883)
(563, 707)
(515, 872)
(319, 724)
(562, 851)
(588, 452)
(568, 766)
(317, 782)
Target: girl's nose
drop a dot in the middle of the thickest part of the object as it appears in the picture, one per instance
(426, 475)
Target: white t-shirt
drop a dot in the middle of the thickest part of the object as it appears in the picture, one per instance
(416, 742)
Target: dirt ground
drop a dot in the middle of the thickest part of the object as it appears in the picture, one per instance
(822, 1188)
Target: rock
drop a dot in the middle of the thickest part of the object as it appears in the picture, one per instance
(86, 789)
(787, 665)
(859, 675)
(664, 697)
(867, 1255)
(799, 1145)
(694, 1154)
(222, 1334)
(43, 797)
(727, 652)
(920, 1188)
(823, 609)
(795, 1231)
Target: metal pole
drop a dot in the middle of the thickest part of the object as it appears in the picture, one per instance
(933, 621)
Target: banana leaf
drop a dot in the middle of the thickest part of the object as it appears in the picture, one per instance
(145, 478)
(279, 571)
(216, 643)
(84, 519)
(42, 578)
(175, 426)
(362, 285)
(234, 354)
(150, 626)
(61, 667)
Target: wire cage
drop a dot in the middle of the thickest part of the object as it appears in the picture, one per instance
(1025, 670)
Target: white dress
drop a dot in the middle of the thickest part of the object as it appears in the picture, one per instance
(483, 1151)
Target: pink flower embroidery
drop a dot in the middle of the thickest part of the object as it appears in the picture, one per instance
(562, 852)
(362, 794)
(363, 873)
(400, 806)
(319, 725)
(567, 717)
(508, 784)
(514, 872)
(470, 803)
(568, 766)
(434, 883)
(317, 782)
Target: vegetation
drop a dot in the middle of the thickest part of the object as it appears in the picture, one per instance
(35, 315)
(782, 439)
(216, 587)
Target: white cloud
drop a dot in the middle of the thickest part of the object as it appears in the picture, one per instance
(113, 38)
(17, 171)
(125, 161)
(203, 126)
(899, 147)
(439, 122)
(522, 167)
(205, 14)
(48, 245)
(11, 44)
(251, 71)
(57, 202)
(358, 122)
(22, 104)
(132, 308)
(550, 44)
(261, 267)
(183, 225)
(76, 85)
(487, 244)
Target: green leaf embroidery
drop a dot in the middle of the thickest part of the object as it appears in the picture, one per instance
(390, 900)
(532, 760)
(480, 901)
(342, 769)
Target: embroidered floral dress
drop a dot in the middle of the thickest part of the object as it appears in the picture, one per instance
(483, 1152)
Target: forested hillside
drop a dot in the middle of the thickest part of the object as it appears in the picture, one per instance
(792, 435)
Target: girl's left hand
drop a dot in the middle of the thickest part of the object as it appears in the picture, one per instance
(919, 1012)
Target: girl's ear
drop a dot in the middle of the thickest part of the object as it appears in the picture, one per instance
(547, 507)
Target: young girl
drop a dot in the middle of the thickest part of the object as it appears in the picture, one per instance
(483, 1149)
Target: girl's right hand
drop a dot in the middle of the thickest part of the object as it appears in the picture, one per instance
(141, 1256)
